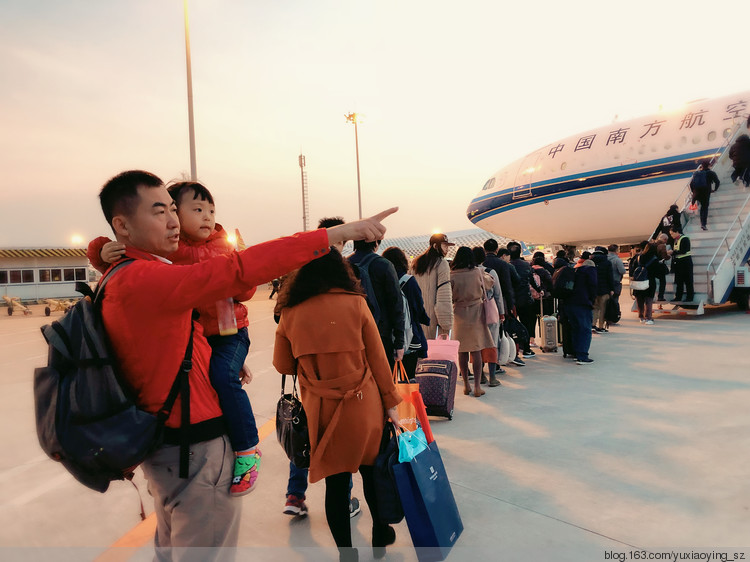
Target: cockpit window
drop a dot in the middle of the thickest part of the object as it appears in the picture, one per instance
(489, 184)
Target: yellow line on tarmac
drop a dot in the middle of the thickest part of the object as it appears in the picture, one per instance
(142, 533)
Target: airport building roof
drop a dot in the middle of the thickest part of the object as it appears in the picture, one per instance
(415, 245)
(42, 253)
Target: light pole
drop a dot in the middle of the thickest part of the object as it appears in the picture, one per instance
(191, 123)
(354, 118)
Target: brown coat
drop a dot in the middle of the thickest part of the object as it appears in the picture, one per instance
(332, 343)
(469, 325)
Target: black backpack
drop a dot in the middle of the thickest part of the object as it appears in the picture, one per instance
(86, 417)
(563, 282)
(700, 180)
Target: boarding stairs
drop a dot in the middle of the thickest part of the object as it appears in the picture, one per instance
(720, 253)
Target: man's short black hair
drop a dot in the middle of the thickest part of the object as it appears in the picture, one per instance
(612, 247)
(364, 246)
(502, 252)
(490, 245)
(119, 196)
(328, 222)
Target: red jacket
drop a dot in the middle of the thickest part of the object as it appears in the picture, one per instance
(148, 305)
(188, 253)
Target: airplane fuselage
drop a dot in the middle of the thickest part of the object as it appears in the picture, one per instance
(610, 184)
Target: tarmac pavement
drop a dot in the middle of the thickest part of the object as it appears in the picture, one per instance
(644, 454)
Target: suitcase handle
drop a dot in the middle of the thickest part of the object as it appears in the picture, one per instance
(444, 336)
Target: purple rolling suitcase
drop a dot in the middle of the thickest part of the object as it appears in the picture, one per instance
(437, 385)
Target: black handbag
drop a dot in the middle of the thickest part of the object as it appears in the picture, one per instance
(291, 426)
(389, 503)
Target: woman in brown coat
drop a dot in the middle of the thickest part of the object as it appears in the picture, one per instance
(328, 337)
(469, 284)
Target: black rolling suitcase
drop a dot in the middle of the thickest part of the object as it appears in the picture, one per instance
(437, 385)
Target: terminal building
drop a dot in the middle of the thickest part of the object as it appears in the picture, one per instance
(34, 274)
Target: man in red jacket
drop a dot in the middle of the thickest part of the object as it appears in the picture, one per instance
(147, 314)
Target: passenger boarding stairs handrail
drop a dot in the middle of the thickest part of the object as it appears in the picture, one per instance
(729, 207)
(720, 277)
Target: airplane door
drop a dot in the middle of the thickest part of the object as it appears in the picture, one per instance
(524, 178)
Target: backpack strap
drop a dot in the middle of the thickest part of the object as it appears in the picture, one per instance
(97, 295)
(181, 386)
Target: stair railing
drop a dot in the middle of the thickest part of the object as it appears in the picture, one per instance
(712, 268)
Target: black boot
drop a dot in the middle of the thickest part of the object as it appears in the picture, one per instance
(382, 537)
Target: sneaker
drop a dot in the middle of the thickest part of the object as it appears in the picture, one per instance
(245, 474)
(518, 362)
(499, 370)
(649, 322)
(295, 506)
(528, 353)
(641, 320)
(703, 228)
(586, 361)
(354, 507)
(601, 330)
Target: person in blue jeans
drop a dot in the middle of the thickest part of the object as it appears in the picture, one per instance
(201, 238)
(295, 491)
(297, 487)
(297, 484)
(578, 309)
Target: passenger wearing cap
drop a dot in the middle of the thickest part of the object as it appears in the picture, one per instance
(604, 289)
(433, 275)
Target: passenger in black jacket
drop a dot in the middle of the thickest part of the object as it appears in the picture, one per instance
(578, 309)
(505, 272)
(390, 319)
(701, 186)
(649, 259)
(525, 306)
(740, 156)
(605, 287)
(417, 348)
(672, 217)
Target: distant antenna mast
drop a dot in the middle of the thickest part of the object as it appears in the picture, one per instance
(305, 203)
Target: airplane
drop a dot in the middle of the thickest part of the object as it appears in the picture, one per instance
(606, 185)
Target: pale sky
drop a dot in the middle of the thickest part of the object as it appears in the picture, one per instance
(450, 91)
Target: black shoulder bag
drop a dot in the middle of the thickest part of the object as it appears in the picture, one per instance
(291, 426)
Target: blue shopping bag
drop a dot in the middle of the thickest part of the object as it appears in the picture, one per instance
(430, 509)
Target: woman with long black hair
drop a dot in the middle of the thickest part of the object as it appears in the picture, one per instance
(328, 338)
